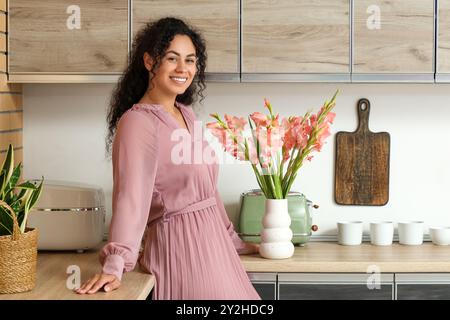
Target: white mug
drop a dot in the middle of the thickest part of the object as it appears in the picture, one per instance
(440, 235)
(350, 232)
(410, 232)
(381, 233)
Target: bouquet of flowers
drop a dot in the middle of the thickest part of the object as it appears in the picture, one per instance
(276, 148)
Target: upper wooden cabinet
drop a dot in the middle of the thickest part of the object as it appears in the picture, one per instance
(67, 36)
(443, 54)
(393, 37)
(218, 22)
(248, 40)
(296, 36)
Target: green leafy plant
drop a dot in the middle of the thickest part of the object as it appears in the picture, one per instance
(19, 197)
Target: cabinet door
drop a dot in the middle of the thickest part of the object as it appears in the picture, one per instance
(218, 21)
(68, 36)
(443, 54)
(334, 287)
(265, 284)
(393, 37)
(293, 36)
(435, 286)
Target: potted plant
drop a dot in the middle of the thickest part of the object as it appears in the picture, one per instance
(18, 244)
(276, 149)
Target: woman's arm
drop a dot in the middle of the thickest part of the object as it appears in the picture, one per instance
(134, 171)
(135, 151)
(241, 246)
(134, 158)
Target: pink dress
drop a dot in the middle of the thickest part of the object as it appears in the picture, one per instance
(189, 243)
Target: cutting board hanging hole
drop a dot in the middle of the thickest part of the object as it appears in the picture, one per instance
(363, 115)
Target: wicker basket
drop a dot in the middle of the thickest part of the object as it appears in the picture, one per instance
(18, 255)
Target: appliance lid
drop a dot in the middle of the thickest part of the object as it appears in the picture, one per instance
(59, 194)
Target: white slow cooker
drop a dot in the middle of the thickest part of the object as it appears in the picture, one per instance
(69, 216)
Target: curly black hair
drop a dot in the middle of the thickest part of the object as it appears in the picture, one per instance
(154, 38)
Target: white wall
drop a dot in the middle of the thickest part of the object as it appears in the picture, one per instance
(64, 130)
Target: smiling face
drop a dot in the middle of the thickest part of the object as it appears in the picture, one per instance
(177, 68)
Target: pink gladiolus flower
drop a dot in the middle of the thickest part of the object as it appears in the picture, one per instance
(313, 120)
(275, 141)
(321, 136)
(213, 125)
(253, 155)
(330, 117)
(235, 123)
(270, 140)
(286, 153)
(268, 105)
(218, 131)
(260, 119)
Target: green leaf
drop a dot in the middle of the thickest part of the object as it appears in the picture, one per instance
(26, 185)
(20, 216)
(36, 194)
(15, 176)
(26, 205)
(15, 206)
(9, 197)
(8, 167)
(6, 221)
(21, 194)
(270, 187)
(2, 181)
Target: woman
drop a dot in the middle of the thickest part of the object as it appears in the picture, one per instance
(190, 245)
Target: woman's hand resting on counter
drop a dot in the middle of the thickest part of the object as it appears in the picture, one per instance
(98, 281)
(249, 248)
(110, 282)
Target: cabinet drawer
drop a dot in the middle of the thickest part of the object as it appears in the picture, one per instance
(335, 287)
(423, 291)
(333, 292)
(427, 286)
(267, 291)
(265, 284)
(62, 36)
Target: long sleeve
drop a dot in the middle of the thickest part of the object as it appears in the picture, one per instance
(237, 241)
(134, 170)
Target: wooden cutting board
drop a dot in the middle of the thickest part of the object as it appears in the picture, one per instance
(362, 163)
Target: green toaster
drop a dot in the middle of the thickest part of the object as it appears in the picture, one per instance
(252, 211)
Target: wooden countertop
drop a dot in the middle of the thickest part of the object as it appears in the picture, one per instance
(52, 277)
(332, 257)
(324, 257)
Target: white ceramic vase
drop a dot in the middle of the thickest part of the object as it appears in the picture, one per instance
(276, 235)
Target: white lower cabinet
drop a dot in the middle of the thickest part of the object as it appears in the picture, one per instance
(352, 286)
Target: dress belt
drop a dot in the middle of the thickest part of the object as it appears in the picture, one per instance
(202, 204)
